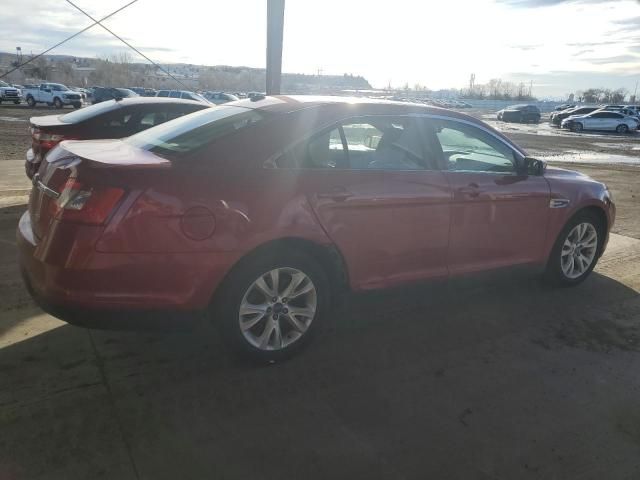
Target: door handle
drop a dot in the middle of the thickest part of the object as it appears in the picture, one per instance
(337, 194)
(471, 190)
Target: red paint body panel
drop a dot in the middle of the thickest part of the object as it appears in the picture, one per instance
(181, 226)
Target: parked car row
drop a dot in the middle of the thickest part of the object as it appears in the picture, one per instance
(618, 118)
(260, 212)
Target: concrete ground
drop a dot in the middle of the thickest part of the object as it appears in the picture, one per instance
(490, 377)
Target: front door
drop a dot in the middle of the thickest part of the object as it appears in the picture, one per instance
(379, 200)
(498, 216)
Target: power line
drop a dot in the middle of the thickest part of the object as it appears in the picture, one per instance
(95, 22)
(128, 44)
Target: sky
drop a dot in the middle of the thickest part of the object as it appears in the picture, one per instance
(561, 46)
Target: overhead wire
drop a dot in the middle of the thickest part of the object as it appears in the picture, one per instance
(95, 22)
(128, 44)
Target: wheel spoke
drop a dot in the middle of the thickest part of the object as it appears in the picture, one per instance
(295, 323)
(275, 281)
(263, 340)
(572, 266)
(277, 335)
(303, 312)
(296, 280)
(306, 288)
(249, 308)
(252, 322)
(262, 286)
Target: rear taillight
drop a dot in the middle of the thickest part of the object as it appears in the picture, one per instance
(47, 140)
(82, 204)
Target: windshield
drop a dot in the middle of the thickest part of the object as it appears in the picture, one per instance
(190, 132)
(125, 92)
(89, 112)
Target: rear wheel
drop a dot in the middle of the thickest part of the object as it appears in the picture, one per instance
(30, 101)
(57, 103)
(622, 128)
(270, 307)
(576, 250)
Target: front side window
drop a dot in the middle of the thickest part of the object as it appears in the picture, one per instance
(174, 94)
(468, 148)
(163, 93)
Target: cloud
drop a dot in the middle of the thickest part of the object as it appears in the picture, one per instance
(582, 52)
(627, 58)
(593, 44)
(544, 3)
(628, 24)
(526, 48)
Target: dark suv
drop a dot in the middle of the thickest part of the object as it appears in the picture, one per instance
(520, 114)
(101, 94)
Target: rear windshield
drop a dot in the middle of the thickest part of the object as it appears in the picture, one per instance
(88, 112)
(186, 134)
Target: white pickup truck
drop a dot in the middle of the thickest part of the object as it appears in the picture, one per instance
(9, 93)
(54, 94)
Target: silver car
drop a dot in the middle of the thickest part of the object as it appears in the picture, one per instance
(601, 120)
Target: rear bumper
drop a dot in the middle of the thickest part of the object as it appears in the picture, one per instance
(68, 278)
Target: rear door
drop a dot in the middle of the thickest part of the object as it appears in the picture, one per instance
(498, 216)
(378, 198)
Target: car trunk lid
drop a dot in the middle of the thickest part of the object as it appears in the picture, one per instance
(70, 187)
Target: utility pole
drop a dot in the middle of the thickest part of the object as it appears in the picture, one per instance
(275, 27)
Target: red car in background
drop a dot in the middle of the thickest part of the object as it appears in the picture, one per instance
(259, 211)
(110, 119)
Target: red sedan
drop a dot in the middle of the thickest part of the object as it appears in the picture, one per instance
(259, 211)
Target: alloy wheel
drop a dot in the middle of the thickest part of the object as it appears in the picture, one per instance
(277, 309)
(579, 250)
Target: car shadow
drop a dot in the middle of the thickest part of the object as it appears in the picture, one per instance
(448, 364)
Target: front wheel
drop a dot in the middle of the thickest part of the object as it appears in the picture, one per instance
(16, 102)
(622, 128)
(57, 103)
(576, 251)
(31, 102)
(576, 127)
(271, 306)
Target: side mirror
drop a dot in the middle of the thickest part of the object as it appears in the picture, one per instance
(531, 166)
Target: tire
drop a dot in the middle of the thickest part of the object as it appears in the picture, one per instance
(77, 105)
(559, 265)
(240, 288)
(57, 103)
(16, 102)
(31, 101)
(576, 127)
(622, 128)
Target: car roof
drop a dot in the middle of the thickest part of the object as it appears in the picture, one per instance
(153, 100)
(293, 103)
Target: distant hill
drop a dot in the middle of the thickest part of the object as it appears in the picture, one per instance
(121, 72)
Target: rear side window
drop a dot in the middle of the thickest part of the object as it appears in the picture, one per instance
(188, 133)
(367, 143)
(89, 112)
